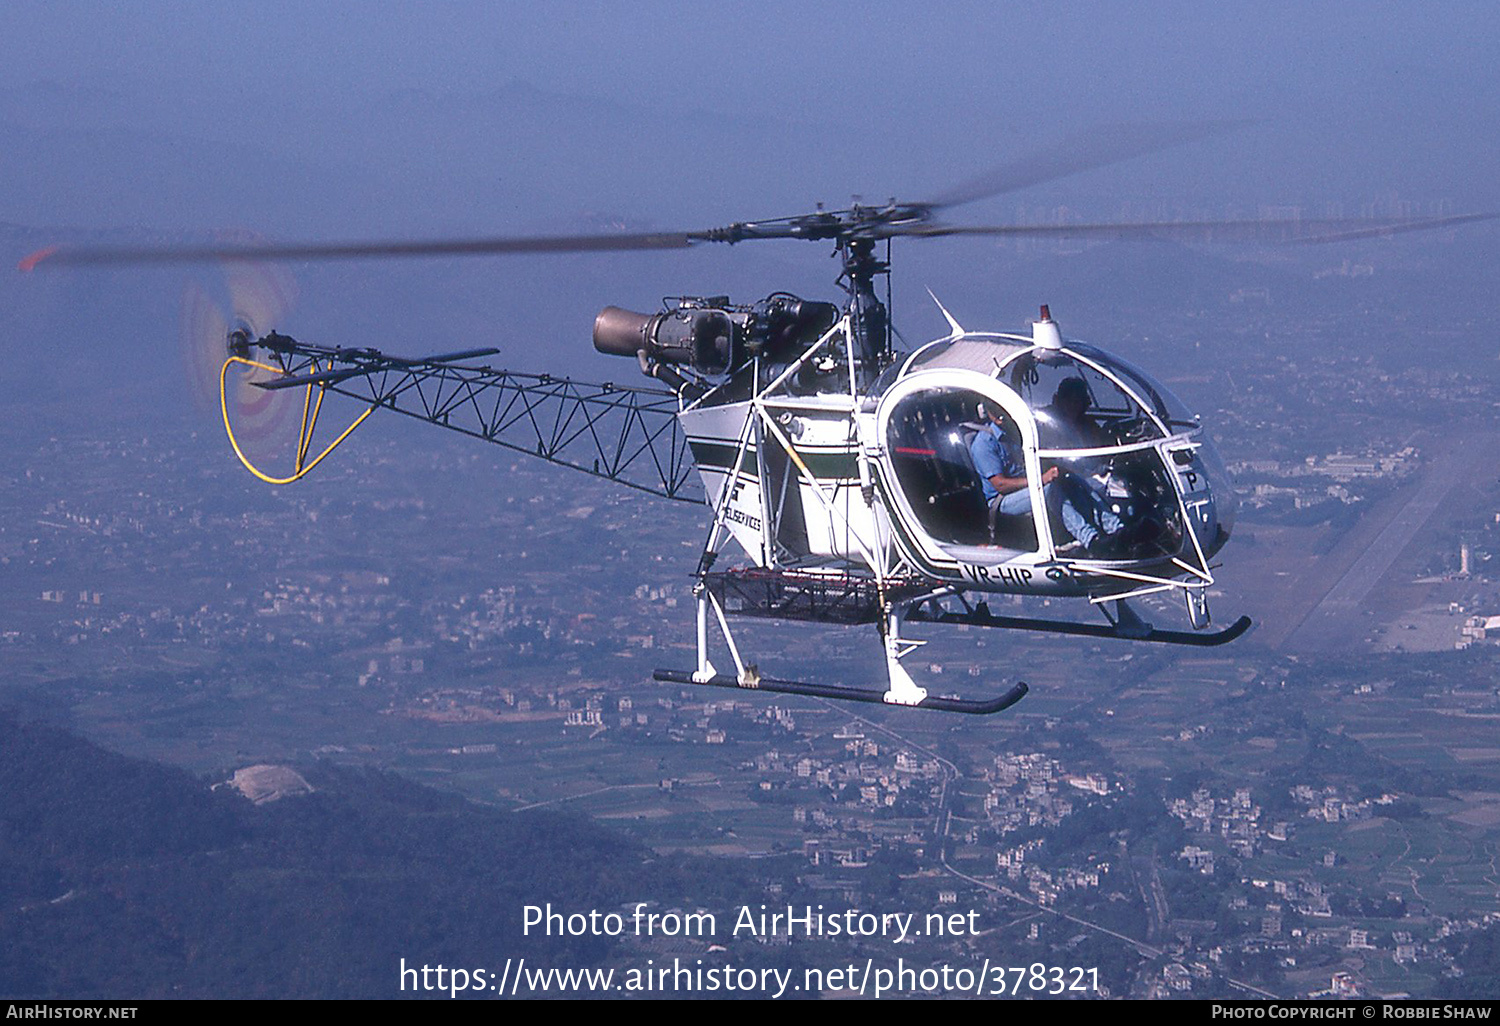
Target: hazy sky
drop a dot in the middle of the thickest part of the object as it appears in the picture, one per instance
(1351, 97)
(779, 57)
(314, 119)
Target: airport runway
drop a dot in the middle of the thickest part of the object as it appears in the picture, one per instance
(1335, 621)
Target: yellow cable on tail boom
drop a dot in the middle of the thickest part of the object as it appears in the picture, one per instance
(304, 439)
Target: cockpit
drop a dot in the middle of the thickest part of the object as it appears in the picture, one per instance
(1001, 445)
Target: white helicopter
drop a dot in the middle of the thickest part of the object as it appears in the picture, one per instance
(862, 484)
(854, 481)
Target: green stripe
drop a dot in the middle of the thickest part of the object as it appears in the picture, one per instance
(722, 456)
(825, 466)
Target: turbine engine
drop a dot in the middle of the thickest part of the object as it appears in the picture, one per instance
(710, 335)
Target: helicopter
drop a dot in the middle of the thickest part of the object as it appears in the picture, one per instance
(861, 483)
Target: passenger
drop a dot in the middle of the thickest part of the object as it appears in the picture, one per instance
(1002, 474)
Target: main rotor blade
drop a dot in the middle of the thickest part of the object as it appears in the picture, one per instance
(1270, 230)
(1353, 230)
(80, 256)
(1082, 151)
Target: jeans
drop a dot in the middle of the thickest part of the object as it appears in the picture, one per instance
(1068, 499)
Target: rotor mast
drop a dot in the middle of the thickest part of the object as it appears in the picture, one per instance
(855, 233)
(869, 320)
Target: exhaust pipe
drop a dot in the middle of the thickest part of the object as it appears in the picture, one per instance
(703, 339)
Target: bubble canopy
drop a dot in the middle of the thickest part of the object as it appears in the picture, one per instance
(991, 437)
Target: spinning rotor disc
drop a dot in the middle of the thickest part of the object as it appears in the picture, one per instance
(260, 296)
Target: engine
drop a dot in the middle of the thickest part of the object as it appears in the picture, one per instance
(710, 335)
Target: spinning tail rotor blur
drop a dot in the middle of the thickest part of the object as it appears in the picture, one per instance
(260, 296)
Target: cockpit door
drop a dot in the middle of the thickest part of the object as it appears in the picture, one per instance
(930, 424)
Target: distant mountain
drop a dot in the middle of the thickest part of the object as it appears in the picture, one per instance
(125, 879)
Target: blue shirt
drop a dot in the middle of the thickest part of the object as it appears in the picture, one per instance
(993, 454)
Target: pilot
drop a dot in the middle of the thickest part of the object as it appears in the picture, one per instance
(1002, 474)
(1067, 416)
(1072, 428)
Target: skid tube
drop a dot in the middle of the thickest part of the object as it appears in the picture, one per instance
(982, 617)
(974, 707)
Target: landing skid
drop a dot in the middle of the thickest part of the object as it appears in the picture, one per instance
(980, 616)
(902, 691)
(850, 600)
(976, 707)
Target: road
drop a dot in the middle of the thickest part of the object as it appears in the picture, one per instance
(939, 842)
